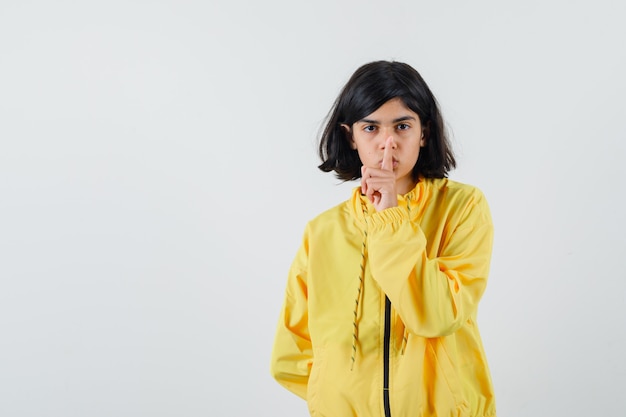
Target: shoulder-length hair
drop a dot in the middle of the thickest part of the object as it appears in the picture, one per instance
(371, 86)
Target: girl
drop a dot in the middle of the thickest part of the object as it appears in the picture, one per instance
(379, 317)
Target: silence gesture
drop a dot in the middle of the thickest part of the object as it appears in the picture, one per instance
(379, 183)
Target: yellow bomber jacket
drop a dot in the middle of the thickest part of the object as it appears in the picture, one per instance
(379, 317)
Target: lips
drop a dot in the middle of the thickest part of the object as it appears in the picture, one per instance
(395, 163)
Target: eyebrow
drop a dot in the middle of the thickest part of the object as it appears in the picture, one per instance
(376, 122)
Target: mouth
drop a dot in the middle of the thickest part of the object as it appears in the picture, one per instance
(395, 163)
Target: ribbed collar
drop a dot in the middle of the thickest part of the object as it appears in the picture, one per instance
(413, 202)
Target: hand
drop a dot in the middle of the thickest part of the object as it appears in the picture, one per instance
(379, 184)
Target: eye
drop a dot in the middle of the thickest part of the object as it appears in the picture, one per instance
(370, 128)
(403, 126)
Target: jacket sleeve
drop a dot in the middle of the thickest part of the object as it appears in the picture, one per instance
(436, 295)
(292, 353)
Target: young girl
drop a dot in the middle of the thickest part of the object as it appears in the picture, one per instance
(379, 317)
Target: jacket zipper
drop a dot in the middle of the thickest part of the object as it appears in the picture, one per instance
(387, 337)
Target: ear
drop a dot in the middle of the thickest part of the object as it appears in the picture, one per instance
(348, 131)
(425, 134)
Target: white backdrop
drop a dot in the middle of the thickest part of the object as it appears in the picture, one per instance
(158, 166)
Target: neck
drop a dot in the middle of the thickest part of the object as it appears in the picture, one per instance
(405, 186)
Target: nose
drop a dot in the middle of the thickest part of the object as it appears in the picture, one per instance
(388, 139)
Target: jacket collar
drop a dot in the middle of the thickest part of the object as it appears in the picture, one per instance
(413, 202)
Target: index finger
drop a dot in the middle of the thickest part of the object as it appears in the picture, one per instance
(387, 163)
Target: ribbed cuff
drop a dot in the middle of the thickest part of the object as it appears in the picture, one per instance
(391, 215)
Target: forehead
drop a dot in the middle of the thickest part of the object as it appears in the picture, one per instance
(392, 110)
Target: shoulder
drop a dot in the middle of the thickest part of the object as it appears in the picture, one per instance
(465, 199)
(454, 190)
(341, 219)
(336, 214)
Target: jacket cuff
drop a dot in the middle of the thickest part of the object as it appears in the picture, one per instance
(388, 216)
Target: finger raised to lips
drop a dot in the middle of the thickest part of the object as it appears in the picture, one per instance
(387, 163)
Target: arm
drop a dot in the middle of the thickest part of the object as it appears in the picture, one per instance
(292, 354)
(434, 296)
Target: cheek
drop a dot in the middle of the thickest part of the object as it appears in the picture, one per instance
(365, 150)
(417, 153)
(367, 156)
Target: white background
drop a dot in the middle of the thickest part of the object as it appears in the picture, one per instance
(158, 166)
